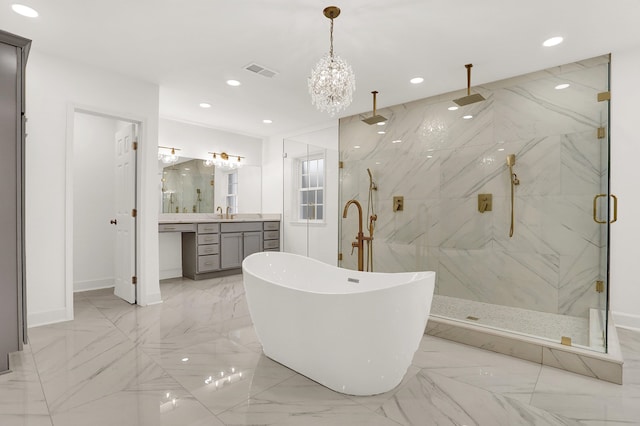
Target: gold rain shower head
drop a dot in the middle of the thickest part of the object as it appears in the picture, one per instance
(469, 99)
(376, 118)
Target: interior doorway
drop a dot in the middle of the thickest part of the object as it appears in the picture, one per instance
(101, 194)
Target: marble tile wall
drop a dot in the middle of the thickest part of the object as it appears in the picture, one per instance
(440, 162)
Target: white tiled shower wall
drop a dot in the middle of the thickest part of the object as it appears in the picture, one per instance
(444, 161)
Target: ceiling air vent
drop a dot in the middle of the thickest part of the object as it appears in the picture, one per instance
(259, 69)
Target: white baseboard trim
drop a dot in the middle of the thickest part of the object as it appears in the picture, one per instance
(170, 273)
(48, 317)
(152, 299)
(623, 320)
(93, 284)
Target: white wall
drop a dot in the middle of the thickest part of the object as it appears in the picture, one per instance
(320, 241)
(54, 87)
(93, 202)
(625, 175)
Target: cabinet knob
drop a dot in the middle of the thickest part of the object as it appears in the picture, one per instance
(113, 221)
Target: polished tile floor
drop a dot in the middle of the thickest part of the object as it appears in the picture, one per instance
(195, 360)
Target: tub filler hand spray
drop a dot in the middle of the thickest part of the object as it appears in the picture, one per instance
(513, 178)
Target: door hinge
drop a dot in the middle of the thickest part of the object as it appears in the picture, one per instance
(565, 340)
(339, 256)
(601, 133)
(600, 286)
(134, 212)
(134, 145)
(604, 96)
(341, 165)
(134, 280)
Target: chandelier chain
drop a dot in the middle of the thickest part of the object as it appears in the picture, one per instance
(331, 40)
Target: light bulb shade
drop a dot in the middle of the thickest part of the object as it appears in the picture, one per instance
(331, 84)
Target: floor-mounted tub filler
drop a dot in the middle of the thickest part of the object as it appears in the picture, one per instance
(353, 332)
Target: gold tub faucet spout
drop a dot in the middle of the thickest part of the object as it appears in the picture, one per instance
(360, 238)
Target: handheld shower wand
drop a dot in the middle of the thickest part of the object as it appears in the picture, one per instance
(372, 221)
(513, 179)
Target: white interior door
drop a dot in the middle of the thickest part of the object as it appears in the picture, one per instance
(125, 222)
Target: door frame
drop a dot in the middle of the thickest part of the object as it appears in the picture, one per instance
(72, 109)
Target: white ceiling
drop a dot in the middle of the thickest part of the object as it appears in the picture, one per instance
(191, 47)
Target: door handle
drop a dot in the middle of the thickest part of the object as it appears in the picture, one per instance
(113, 221)
(595, 208)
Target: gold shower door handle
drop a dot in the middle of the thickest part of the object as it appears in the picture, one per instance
(595, 208)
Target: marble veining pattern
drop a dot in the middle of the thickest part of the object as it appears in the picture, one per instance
(440, 162)
(95, 370)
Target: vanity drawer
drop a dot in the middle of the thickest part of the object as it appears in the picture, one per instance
(271, 226)
(271, 235)
(241, 226)
(271, 244)
(208, 263)
(208, 228)
(208, 249)
(176, 227)
(208, 239)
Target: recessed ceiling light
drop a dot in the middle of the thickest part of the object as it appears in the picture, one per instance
(267, 121)
(356, 146)
(416, 80)
(553, 41)
(500, 149)
(185, 359)
(381, 132)
(396, 141)
(382, 123)
(562, 86)
(452, 108)
(233, 83)
(377, 162)
(23, 10)
(205, 105)
(467, 117)
(429, 156)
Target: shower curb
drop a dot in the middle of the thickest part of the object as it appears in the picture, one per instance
(601, 366)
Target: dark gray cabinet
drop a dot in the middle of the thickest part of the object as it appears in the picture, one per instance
(13, 57)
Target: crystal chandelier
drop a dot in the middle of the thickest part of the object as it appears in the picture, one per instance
(332, 82)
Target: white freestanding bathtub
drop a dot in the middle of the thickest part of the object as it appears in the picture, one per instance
(353, 332)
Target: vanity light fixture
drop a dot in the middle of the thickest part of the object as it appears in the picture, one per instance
(23, 10)
(225, 161)
(553, 41)
(332, 82)
(168, 155)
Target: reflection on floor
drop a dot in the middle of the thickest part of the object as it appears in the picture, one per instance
(524, 321)
(195, 360)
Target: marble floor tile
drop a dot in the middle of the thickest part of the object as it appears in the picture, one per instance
(221, 373)
(300, 401)
(498, 373)
(586, 399)
(432, 399)
(195, 360)
(22, 401)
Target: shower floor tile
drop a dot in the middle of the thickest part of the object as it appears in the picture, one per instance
(518, 320)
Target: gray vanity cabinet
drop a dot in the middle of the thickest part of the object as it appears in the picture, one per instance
(13, 57)
(201, 250)
(239, 240)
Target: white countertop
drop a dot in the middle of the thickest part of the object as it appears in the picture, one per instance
(211, 217)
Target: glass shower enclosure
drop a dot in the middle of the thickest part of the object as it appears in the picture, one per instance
(507, 199)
